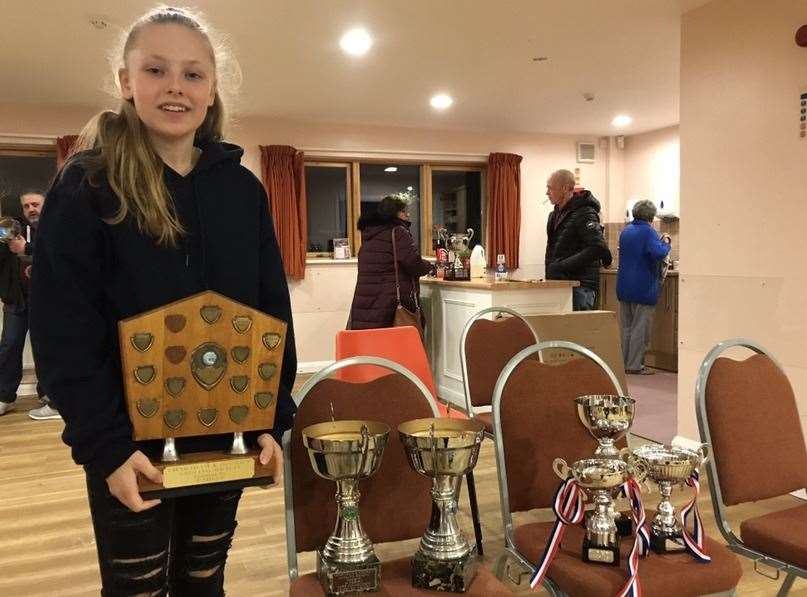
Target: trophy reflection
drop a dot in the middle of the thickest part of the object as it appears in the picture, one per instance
(444, 450)
(347, 452)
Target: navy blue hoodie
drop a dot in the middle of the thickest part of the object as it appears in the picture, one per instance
(88, 275)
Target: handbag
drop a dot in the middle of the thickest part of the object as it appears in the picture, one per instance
(404, 316)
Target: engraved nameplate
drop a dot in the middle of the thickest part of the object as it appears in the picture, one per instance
(601, 555)
(201, 473)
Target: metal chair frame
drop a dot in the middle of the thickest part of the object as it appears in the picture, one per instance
(466, 386)
(504, 494)
(720, 510)
(288, 493)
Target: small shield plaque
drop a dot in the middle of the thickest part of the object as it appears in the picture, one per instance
(238, 414)
(210, 313)
(175, 323)
(147, 407)
(267, 370)
(264, 399)
(271, 340)
(242, 323)
(240, 353)
(145, 374)
(174, 418)
(239, 383)
(142, 341)
(175, 385)
(208, 416)
(175, 354)
(208, 364)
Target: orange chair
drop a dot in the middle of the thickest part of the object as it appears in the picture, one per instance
(400, 345)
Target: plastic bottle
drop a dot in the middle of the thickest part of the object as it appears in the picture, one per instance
(501, 269)
(478, 262)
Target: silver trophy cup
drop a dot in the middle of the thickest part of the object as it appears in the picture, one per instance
(444, 450)
(669, 466)
(600, 478)
(346, 452)
(608, 418)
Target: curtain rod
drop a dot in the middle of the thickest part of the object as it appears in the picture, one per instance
(395, 152)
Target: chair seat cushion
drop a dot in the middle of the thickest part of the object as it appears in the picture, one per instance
(487, 420)
(396, 579)
(658, 573)
(780, 534)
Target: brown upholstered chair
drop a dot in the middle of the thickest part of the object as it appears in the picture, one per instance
(535, 421)
(395, 502)
(747, 413)
(486, 345)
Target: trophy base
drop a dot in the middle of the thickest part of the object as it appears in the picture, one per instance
(342, 579)
(662, 544)
(452, 576)
(206, 472)
(600, 554)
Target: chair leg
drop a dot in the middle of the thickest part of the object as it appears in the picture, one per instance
(474, 511)
(788, 582)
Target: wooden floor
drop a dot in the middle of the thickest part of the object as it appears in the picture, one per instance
(47, 547)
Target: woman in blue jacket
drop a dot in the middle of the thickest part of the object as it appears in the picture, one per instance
(641, 252)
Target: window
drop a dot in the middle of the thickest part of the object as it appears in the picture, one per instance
(443, 195)
(327, 188)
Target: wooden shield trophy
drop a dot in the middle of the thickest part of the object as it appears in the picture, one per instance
(201, 366)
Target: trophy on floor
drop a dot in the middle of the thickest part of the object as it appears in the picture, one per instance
(347, 452)
(600, 478)
(204, 365)
(669, 466)
(445, 450)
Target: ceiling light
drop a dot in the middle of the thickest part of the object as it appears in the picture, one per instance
(622, 120)
(391, 169)
(356, 42)
(409, 189)
(441, 101)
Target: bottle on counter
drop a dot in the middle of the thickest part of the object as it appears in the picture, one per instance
(442, 259)
(501, 269)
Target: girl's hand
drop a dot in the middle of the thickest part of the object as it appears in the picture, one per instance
(123, 482)
(270, 451)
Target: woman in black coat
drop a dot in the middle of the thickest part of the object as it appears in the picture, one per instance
(375, 299)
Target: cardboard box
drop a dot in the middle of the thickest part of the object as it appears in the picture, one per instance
(596, 330)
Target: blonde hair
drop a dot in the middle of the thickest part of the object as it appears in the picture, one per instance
(122, 149)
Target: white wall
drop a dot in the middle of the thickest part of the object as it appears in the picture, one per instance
(743, 184)
(652, 169)
(321, 302)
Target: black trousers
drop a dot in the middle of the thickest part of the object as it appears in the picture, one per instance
(178, 548)
(12, 343)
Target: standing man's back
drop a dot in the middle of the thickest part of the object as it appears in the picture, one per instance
(575, 246)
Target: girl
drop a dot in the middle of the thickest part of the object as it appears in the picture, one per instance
(132, 223)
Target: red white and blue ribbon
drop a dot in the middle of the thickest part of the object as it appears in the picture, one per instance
(641, 542)
(695, 541)
(569, 508)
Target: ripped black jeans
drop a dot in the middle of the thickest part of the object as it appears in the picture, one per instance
(178, 548)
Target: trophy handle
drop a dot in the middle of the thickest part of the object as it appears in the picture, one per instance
(470, 232)
(638, 470)
(705, 452)
(561, 469)
(443, 233)
(364, 448)
(626, 455)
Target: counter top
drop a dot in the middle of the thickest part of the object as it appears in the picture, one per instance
(489, 284)
(611, 270)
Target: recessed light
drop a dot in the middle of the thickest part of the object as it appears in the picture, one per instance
(409, 188)
(441, 101)
(622, 120)
(391, 169)
(356, 42)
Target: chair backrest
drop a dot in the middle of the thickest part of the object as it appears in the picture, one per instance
(486, 346)
(747, 412)
(396, 501)
(398, 344)
(535, 421)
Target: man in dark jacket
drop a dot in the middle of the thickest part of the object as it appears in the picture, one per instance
(641, 252)
(575, 245)
(15, 272)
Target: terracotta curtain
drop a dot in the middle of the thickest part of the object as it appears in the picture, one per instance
(504, 207)
(64, 149)
(283, 174)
